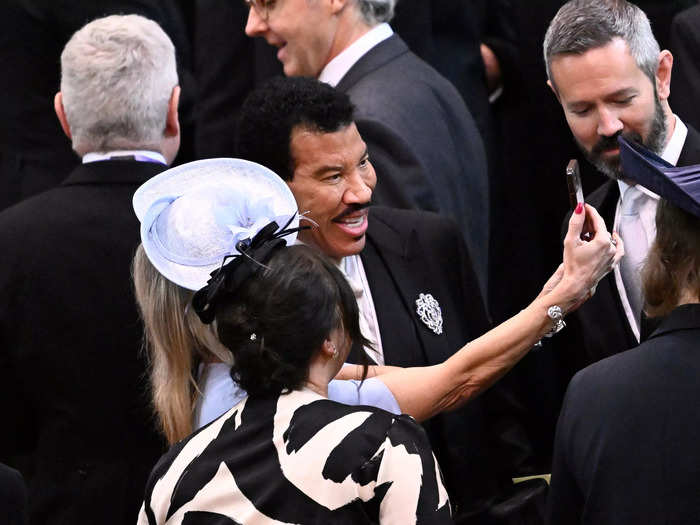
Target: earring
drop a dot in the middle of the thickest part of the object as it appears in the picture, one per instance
(335, 351)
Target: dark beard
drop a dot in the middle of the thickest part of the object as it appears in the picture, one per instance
(654, 142)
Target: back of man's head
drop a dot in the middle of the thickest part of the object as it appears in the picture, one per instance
(271, 113)
(117, 78)
(582, 25)
(376, 11)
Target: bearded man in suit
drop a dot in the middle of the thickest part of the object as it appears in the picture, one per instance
(424, 143)
(411, 272)
(73, 378)
(611, 78)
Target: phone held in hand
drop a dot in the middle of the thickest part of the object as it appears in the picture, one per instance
(573, 181)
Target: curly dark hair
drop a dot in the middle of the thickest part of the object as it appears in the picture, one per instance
(271, 112)
(673, 263)
(291, 307)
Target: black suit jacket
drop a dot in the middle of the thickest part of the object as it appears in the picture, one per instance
(13, 496)
(626, 450)
(600, 327)
(422, 141)
(408, 253)
(74, 388)
(685, 42)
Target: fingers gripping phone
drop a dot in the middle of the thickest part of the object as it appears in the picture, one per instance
(573, 181)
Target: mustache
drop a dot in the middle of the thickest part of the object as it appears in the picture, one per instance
(352, 208)
(610, 143)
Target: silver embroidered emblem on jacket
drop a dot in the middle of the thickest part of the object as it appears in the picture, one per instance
(428, 310)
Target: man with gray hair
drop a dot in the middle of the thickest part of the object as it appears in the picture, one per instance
(73, 380)
(607, 71)
(421, 137)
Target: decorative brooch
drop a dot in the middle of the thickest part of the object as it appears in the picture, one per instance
(428, 310)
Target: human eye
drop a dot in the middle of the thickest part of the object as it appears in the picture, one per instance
(580, 111)
(625, 101)
(364, 162)
(333, 178)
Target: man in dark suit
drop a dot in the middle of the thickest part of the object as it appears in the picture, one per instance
(684, 43)
(607, 71)
(34, 155)
(411, 272)
(73, 379)
(422, 139)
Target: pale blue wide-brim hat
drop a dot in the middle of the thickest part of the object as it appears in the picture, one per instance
(192, 216)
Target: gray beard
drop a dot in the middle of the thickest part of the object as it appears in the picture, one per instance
(655, 142)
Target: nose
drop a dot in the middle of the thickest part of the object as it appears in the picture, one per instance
(359, 191)
(608, 123)
(255, 26)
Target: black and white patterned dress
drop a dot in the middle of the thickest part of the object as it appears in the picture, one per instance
(303, 459)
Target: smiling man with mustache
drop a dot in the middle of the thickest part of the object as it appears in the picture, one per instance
(610, 76)
(408, 268)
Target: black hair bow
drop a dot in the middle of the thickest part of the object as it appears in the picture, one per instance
(253, 255)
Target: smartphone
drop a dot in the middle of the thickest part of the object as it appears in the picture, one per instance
(573, 181)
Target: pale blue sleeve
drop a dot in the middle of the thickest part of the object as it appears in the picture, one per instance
(219, 393)
(371, 392)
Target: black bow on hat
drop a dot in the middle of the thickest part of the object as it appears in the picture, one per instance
(253, 255)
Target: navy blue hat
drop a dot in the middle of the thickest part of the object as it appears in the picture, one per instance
(678, 185)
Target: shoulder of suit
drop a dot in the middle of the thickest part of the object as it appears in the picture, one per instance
(400, 220)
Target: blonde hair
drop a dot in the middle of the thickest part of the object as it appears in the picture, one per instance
(176, 342)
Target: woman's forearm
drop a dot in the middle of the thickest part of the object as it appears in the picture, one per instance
(425, 391)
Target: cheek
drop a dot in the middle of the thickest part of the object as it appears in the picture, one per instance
(584, 130)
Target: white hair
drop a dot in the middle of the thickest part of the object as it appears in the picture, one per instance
(117, 77)
(581, 25)
(375, 12)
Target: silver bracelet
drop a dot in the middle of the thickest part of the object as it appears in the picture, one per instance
(556, 315)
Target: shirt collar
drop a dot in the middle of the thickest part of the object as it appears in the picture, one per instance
(138, 155)
(670, 154)
(336, 69)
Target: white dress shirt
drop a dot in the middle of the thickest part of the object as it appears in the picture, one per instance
(354, 272)
(139, 155)
(336, 69)
(647, 217)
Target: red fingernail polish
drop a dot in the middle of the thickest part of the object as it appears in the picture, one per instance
(579, 208)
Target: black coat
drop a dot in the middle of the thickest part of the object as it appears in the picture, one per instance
(422, 141)
(74, 389)
(13, 496)
(626, 450)
(407, 253)
(685, 43)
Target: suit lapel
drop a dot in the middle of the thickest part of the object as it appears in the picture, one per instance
(397, 274)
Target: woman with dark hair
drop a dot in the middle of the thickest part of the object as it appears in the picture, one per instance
(295, 456)
(626, 448)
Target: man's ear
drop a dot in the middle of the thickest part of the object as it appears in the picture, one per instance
(172, 122)
(336, 6)
(663, 74)
(61, 114)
